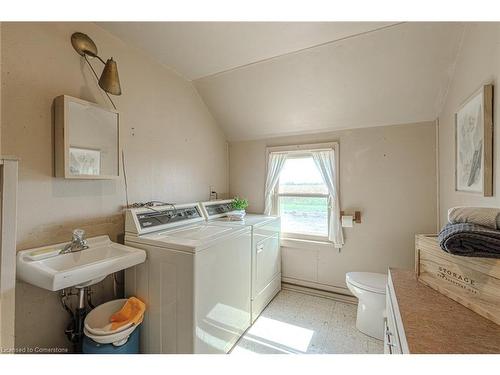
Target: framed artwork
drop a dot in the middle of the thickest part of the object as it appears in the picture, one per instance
(84, 161)
(474, 144)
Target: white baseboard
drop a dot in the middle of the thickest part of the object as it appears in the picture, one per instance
(300, 287)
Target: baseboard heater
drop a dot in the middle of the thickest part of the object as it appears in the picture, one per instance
(339, 297)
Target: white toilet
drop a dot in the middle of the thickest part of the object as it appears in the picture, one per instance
(369, 288)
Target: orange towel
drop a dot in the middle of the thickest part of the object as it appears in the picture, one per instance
(132, 311)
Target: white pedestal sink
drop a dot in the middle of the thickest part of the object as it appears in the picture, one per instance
(46, 268)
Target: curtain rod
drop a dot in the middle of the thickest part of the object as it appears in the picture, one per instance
(304, 151)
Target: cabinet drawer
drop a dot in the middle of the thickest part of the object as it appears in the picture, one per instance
(392, 343)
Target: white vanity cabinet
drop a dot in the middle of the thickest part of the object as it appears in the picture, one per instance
(394, 334)
(421, 320)
(392, 341)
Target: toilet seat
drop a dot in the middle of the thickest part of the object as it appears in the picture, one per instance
(370, 281)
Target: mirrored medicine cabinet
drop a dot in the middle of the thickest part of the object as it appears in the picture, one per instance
(86, 139)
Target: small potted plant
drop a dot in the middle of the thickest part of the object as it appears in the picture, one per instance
(239, 206)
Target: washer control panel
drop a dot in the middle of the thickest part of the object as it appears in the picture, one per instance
(143, 220)
(166, 216)
(219, 208)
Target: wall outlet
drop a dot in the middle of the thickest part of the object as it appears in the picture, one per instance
(212, 193)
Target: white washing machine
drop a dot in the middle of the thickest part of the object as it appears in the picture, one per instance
(266, 250)
(195, 281)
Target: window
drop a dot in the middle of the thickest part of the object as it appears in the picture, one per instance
(302, 198)
(302, 187)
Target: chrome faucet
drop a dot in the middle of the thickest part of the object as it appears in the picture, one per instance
(78, 243)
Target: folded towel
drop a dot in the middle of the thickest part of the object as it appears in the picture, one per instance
(468, 239)
(132, 311)
(485, 216)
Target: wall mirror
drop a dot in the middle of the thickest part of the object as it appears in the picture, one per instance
(86, 139)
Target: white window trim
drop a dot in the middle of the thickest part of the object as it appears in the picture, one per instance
(306, 244)
(300, 150)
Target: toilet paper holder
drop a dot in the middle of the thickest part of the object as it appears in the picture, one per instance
(356, 216)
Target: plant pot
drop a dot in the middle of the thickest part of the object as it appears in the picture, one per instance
(236, 215)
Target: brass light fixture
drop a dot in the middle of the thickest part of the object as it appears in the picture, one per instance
(109, 80)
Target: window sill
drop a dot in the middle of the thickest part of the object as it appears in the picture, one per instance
(306, 244)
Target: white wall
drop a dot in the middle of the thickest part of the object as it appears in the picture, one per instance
(173, 149)
(478, 63)
(388, 173)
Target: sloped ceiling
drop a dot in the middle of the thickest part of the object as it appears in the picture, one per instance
(379, 75)
(200, 49)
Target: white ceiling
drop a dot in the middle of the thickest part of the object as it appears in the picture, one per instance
(398, 75)
(199, 49)
(256, 88)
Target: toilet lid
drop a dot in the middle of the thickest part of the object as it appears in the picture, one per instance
(373, 282)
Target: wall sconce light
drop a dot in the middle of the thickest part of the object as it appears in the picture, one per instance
(109, 80)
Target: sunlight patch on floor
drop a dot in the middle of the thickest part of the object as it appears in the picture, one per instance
(296, 323)
(279, 336)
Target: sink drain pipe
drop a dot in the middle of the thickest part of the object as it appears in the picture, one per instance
(74, 330)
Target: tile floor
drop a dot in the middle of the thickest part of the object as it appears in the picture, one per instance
(295, 323)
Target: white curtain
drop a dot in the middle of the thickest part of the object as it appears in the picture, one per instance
(325, 161)
(274, 168)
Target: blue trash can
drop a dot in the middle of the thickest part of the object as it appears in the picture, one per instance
(130, 347)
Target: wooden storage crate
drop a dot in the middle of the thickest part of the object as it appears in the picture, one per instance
(471, 281)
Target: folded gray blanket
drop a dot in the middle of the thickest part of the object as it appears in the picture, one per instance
(470, 240)
(485, 216)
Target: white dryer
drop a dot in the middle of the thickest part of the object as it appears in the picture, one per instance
(266, 250)
(195, 281)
